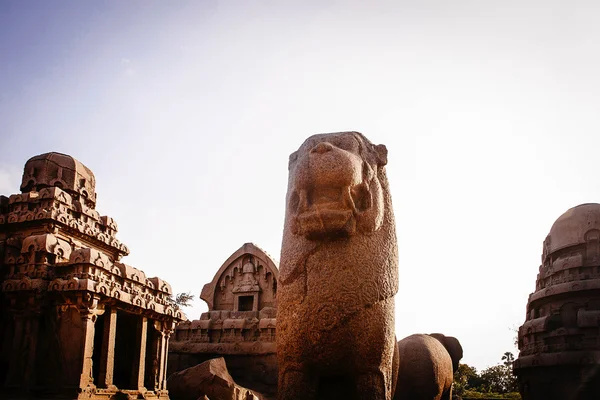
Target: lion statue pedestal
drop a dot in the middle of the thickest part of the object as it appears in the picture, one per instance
(338, 273)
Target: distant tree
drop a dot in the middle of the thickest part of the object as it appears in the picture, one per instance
(465, 374)
(495, 382)
(472, 394)
(182, 300)
(466, 378)
(515, 330)
(499, 379)
(508, 358)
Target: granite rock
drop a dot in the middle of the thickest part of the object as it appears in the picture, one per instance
(209, 379)
(338, 273)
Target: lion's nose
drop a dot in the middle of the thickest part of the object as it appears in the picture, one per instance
(322, 147)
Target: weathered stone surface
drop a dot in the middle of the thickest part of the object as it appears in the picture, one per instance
(427, 366)
(75, 322)
(338, 273)
(240, 322)
(257, 372)
(559, 342)
(61, 171)
(210, 379)
(249, 271)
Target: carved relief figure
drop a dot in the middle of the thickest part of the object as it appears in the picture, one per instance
(338, 272)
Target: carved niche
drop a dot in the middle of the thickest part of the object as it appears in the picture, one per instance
(247, 281)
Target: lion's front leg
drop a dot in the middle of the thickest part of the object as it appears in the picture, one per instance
(372, 386)
(296, 384)
(375, 346)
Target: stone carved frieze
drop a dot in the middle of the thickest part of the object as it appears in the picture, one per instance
(57, 205)
(248, 270)
(49, 244)
(86, 269)
(59, 170)
(242, 306)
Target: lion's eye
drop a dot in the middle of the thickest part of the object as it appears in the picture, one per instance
(346, 143)
(338, 142)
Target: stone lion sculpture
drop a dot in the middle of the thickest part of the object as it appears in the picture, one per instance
(338, 273)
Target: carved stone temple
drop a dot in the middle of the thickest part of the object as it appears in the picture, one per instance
(239, 324)
(75, 322)
(559, 342)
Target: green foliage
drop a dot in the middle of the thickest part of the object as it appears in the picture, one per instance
(495, 382)
(472, 394)
(499, 378)
(465, 378)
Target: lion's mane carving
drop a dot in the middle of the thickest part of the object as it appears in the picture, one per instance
(338, 272)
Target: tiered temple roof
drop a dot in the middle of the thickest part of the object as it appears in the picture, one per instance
(68, 300)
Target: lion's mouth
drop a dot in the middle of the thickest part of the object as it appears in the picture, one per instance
(326, 211)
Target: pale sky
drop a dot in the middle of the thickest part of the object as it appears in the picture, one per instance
(187, 111)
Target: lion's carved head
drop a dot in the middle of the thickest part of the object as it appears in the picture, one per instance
(334, 186)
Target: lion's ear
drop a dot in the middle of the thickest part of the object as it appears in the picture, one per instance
(293, 158)
(382, 152)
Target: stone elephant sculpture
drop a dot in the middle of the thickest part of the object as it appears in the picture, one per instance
(427, 365)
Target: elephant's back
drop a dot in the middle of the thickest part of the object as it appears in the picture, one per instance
(425, 368)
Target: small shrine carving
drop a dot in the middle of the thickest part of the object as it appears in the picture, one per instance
(239, 324)
(242, 305)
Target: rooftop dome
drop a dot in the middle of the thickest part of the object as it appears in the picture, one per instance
(560, 339)
(571, 227)
(60, 170)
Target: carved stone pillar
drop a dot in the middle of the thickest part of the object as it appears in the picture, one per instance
(21, 371)
(88, 312)
(88, 318)
(165, 356)
(165, 330)
(141, 362)
(153, 364)
(14, 372)
(164, 385)
(107, 358)
(161, 361)
(30, 337)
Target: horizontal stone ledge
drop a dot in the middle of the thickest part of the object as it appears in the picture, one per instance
(247, 348)
(582, 357)
(568, 287)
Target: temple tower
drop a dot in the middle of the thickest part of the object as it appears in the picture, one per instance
(75, 322)
(559, 342)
